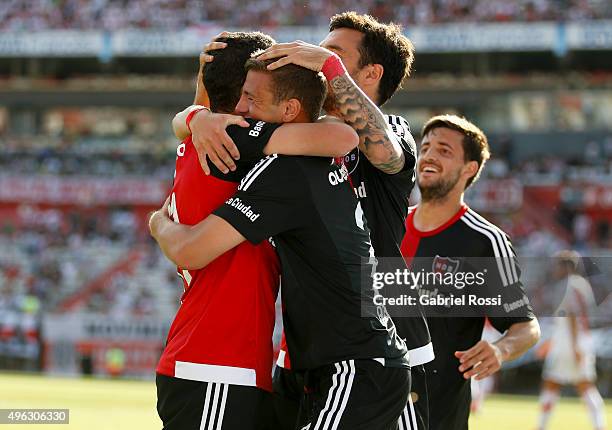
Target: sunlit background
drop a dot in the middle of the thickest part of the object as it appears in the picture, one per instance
(87, 93)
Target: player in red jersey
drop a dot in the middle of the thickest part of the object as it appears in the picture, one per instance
(216, 367)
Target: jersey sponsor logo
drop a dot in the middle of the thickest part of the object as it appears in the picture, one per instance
(257, 129)
(338, 176)
(360, 191)
(444, 265)
(509, 307)
(235, 202)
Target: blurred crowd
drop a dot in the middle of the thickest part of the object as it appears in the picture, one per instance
(51, 258)
(593, 163)
(48, 255)
(34, 15)
(53, 161)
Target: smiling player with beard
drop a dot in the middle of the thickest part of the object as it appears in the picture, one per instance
(442, 235)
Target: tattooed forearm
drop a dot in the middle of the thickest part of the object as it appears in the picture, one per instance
(376, 140)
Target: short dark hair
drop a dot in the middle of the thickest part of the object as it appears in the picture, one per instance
(475, 144)
(225, 75)
(382, 44)
(294, 82)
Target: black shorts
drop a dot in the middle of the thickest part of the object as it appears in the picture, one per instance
(356, 395)
(185, 405)
(288, 394)
(416, 413)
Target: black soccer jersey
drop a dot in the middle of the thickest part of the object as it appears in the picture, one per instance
(250, 142)
(321, 236)
(384, 199)
(467, 243)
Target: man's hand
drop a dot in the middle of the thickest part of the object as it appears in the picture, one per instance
(480, 361)
(157, 216)
(211, 46)
(300, 53)
(201, 97)
(211, 140)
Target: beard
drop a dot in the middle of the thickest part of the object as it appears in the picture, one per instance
(439, 189)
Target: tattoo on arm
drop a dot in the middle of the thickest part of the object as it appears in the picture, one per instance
(369, 122)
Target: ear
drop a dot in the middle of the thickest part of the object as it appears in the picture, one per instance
(291, 110)
(372, 74)
(470, 169)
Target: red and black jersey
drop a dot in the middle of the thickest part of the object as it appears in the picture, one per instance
(465, 243)
(223, 329)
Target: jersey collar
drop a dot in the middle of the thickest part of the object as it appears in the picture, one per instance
(413, 230)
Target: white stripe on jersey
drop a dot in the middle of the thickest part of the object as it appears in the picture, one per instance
(504, 243)
(501, 248)
(399, 125)
(261, 165)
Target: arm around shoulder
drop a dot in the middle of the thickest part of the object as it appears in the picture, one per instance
(322, 139)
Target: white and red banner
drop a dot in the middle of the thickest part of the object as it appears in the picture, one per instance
(82, 191)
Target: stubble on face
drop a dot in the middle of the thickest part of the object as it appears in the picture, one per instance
(439, 189)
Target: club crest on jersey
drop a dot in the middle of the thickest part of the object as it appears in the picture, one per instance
(351, 160)
(445, 265)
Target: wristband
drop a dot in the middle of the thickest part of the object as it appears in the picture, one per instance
(192, 114)
(333, 67)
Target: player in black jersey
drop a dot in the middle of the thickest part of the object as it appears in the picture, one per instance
(378, 57)
(357, 366)
(445, 237)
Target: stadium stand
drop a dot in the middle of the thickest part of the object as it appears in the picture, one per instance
(178, 14)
